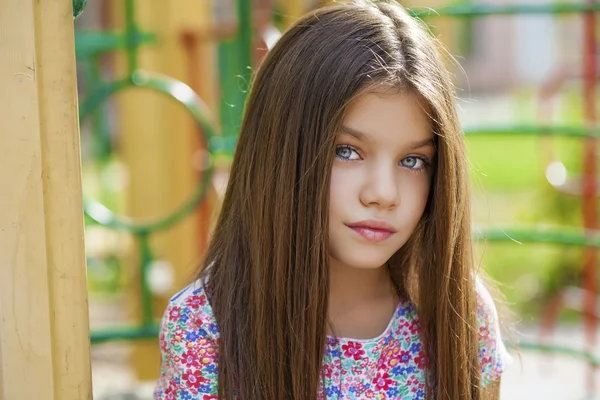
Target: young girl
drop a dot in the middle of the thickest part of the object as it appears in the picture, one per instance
(341, 266)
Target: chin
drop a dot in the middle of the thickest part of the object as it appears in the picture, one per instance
(362, 261)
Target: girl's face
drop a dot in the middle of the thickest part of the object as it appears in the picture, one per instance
(380, 179)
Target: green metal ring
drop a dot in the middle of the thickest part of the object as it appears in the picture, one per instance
(192, 102)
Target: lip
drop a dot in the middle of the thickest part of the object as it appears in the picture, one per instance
(372, 230)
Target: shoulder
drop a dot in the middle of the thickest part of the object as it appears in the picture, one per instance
(189, 347)
(493, 356)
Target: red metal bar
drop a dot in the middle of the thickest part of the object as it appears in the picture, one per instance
(589, 207)
(263, 18)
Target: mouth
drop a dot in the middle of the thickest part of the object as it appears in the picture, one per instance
(373, 230)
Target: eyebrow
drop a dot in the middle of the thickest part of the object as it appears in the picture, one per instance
(423, 143)
(364, 137)
(353, 132)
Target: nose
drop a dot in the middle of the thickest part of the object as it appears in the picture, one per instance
(381, 188)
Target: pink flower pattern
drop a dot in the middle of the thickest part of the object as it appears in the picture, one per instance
(391, 366)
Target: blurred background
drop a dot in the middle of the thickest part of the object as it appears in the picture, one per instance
(162, 86)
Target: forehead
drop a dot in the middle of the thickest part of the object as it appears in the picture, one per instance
(389, 117)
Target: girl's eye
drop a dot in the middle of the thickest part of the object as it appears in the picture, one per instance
(346, 153)
(413, 163)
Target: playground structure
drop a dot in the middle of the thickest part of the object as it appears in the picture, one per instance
(43, 300)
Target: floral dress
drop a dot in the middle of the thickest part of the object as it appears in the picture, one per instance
(390, 366)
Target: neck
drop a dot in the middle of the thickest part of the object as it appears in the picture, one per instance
(349, 285)
(355, 291)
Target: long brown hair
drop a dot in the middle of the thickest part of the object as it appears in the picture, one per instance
(269, 257)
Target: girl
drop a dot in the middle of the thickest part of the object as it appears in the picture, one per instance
(341, 265)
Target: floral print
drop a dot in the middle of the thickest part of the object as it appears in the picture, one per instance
(391, 366)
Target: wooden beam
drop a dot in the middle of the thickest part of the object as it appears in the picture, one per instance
(44, 326)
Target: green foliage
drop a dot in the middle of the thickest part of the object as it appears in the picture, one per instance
(78, 7)
(510, 188)
(505, 163)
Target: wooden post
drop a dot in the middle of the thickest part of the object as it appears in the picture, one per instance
(44, 326)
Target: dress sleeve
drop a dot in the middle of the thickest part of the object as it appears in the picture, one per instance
(493, 356)
(188, 345)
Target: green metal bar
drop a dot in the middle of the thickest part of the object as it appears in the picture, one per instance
(519, 130)
(235, 63)
(226, 144)
(483, 10)
(554, 349)
(245, 32)
(149, 331)
(101, 139)
(145, 264)
(132, 35)
(91, 43)
(465, 30)
(553, 235)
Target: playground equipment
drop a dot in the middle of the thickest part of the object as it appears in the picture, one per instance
(586, 186)
(588, 239)
(53, 218)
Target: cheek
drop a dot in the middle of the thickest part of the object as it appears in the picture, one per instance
(422, 187)
(341, 187)
(415, 189)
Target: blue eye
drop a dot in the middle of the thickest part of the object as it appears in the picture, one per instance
(346, 153)
(413, 162)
